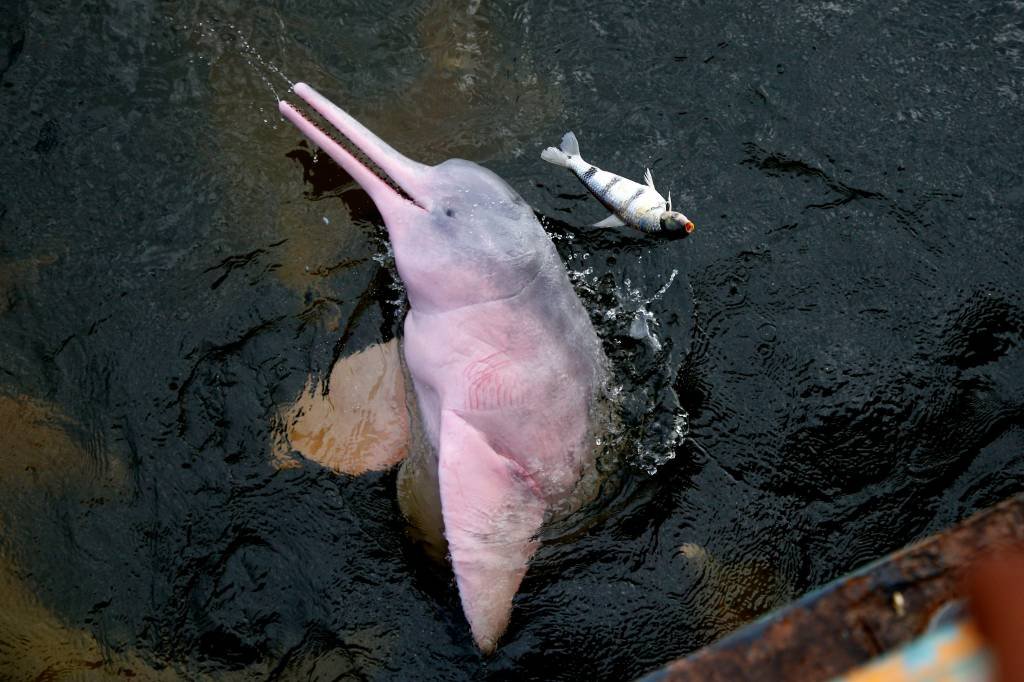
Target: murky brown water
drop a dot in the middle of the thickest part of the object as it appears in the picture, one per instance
(842, 338)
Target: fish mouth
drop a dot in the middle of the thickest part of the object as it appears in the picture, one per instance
(391, 179)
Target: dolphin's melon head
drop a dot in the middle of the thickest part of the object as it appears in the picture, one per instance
(476, 240)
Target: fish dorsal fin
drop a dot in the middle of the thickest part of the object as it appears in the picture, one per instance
(649, 179)
(668, 204)
(611, 221)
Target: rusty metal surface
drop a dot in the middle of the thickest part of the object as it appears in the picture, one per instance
(847, 622)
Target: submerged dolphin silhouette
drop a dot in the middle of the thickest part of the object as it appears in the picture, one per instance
(504, 362)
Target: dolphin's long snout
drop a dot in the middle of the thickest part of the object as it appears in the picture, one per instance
(402, 171)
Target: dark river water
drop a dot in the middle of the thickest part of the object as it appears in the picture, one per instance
(841, 345)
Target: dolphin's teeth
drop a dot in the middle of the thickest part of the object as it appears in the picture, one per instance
(349, 146)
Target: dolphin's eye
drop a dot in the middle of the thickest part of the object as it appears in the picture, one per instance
(449, 212)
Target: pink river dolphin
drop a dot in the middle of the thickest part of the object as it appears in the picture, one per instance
(505, 365)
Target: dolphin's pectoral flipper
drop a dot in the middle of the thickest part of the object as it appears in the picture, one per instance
(492, 512)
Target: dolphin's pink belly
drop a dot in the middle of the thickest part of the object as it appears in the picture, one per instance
(506, 375)
(505, 399)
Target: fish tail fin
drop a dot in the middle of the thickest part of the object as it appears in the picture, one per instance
(569, 148)
(555, 156)
(570, 145)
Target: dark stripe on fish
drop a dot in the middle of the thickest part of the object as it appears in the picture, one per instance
(608, 187)
(633, 198)
(604, 202)
(589, 173)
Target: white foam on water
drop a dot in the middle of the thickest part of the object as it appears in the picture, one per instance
(665, 423)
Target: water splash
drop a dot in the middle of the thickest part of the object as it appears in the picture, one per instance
(398, 299)
(217, 37)
(644, 319)
(642, 374)
(663, 422)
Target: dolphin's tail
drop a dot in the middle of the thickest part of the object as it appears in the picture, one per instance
(569, 148)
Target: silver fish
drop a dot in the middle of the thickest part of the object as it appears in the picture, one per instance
(640, 206)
